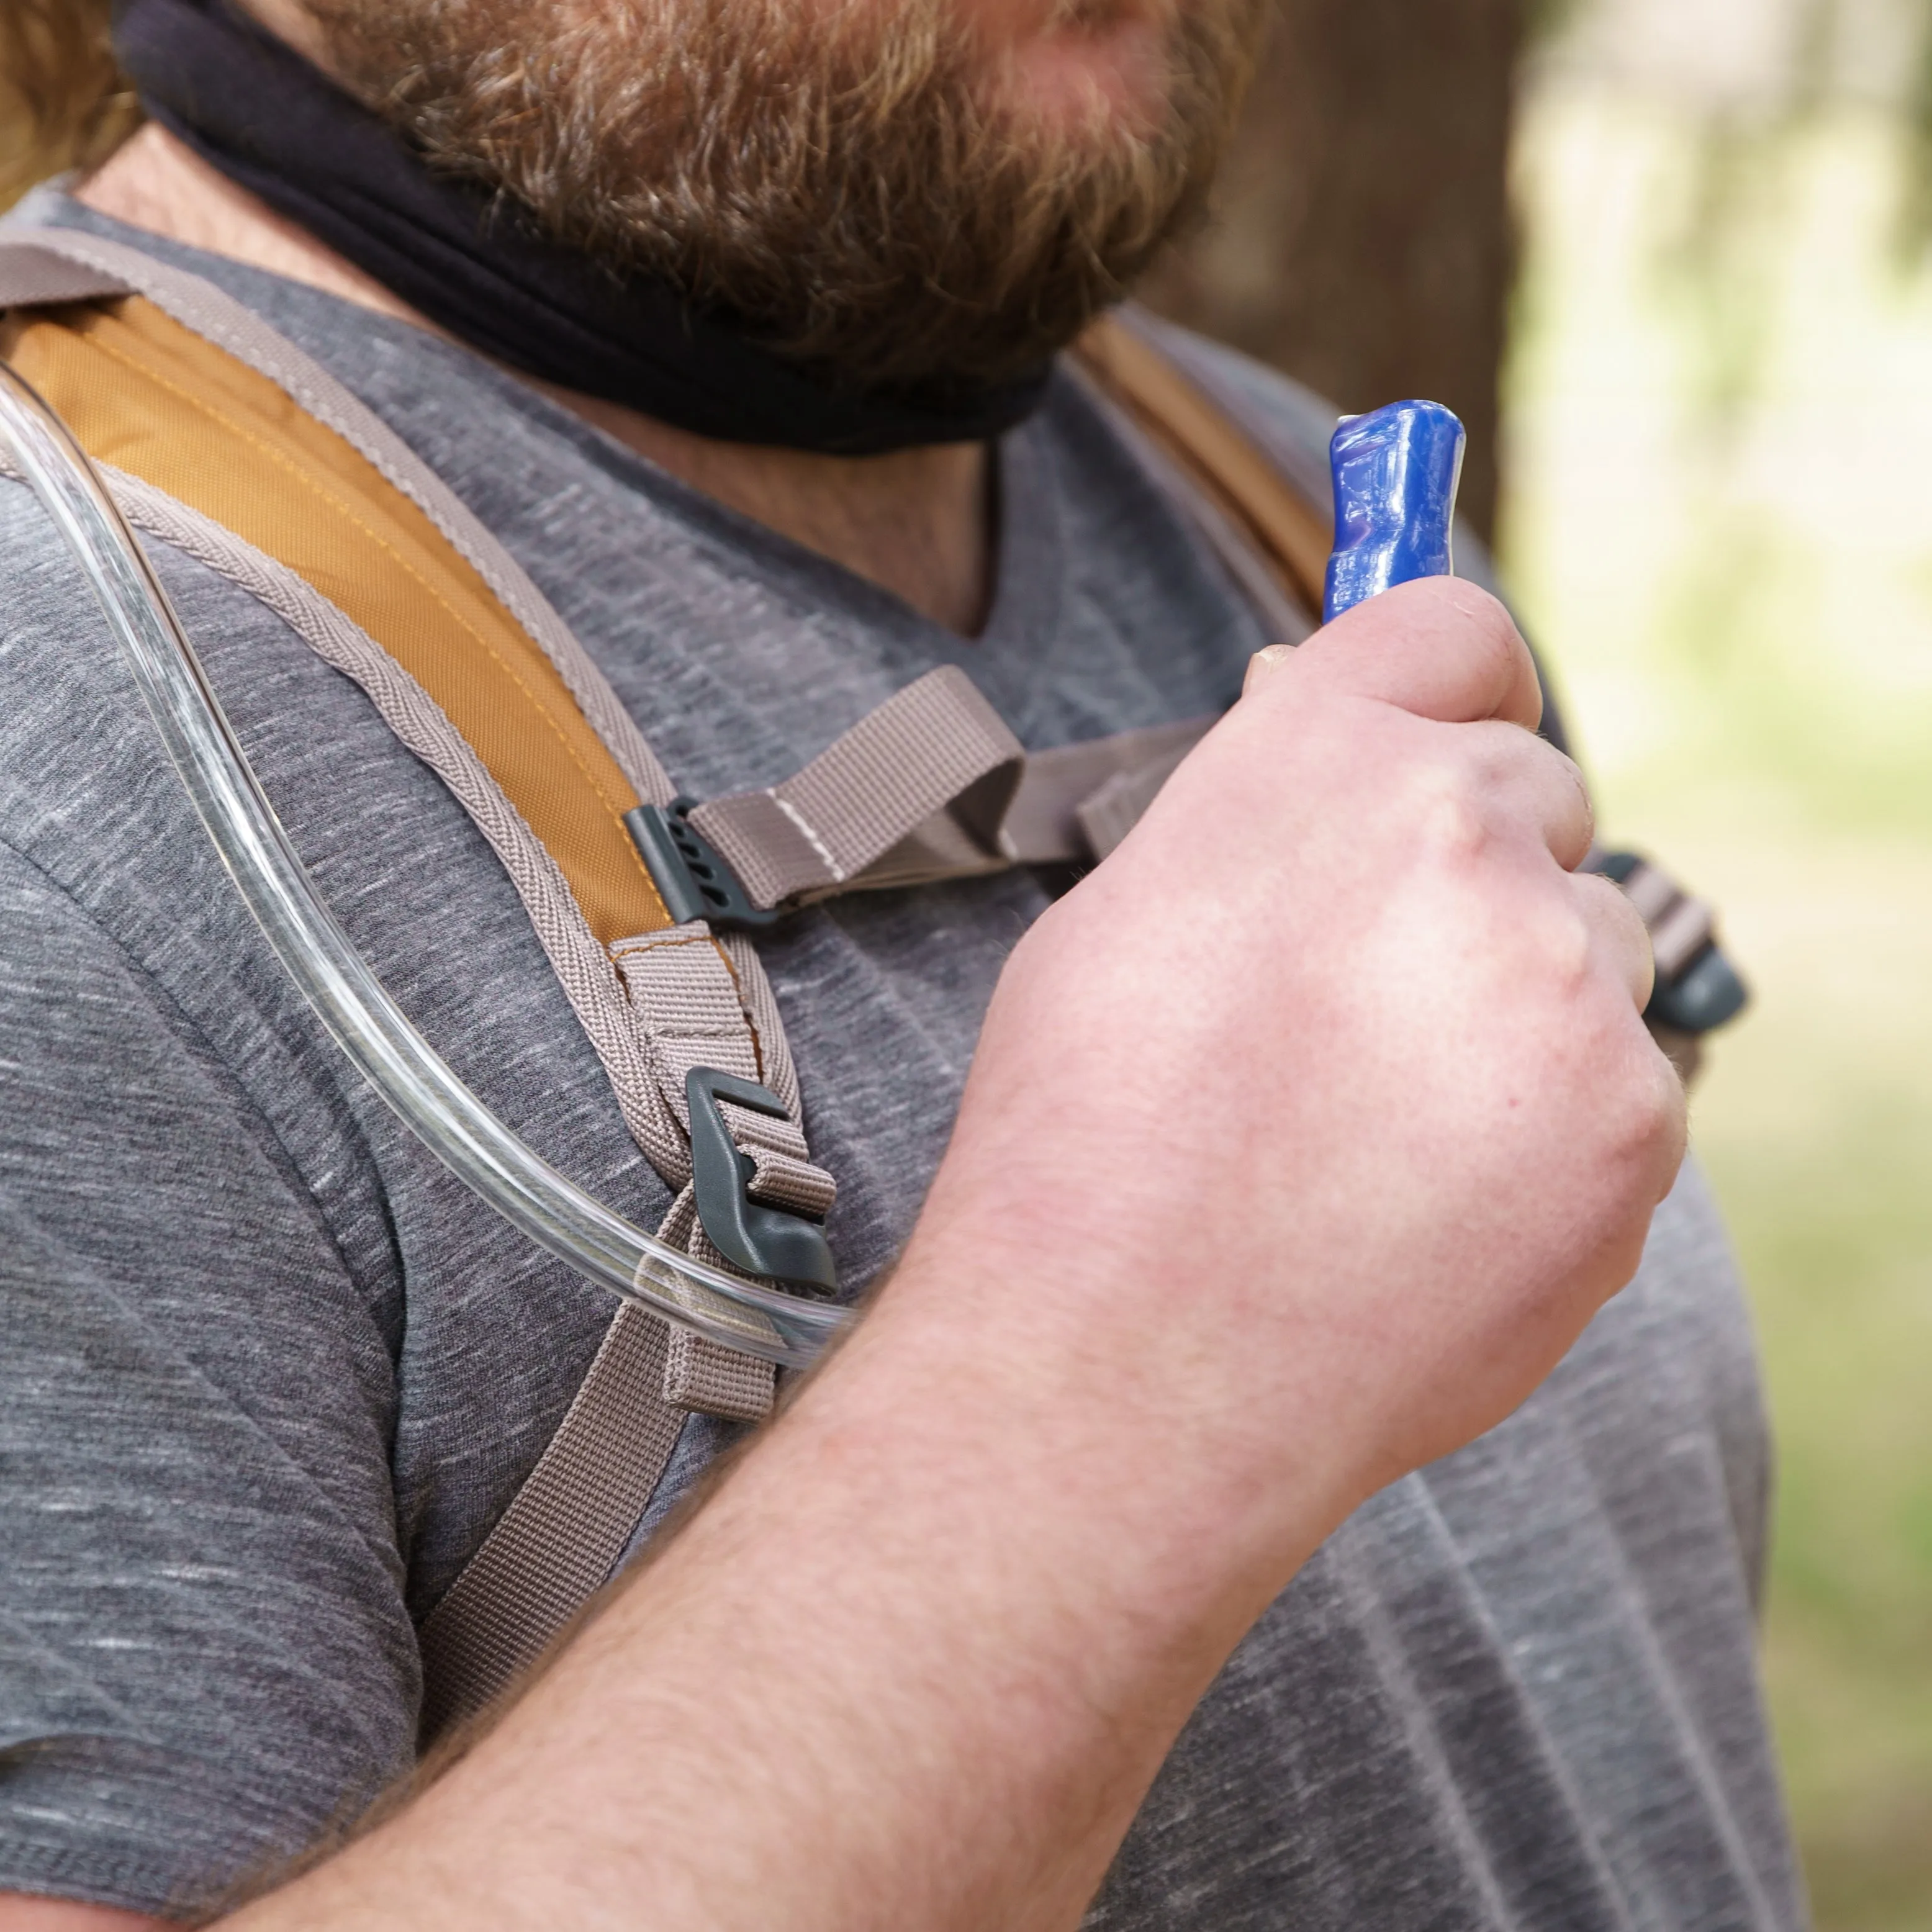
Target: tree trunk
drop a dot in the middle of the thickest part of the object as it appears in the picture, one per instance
(1362, 240)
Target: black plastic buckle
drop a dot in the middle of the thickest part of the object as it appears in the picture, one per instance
(693, 881)
(1707, 992)
(771, 1241)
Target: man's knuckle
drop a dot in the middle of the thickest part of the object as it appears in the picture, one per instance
(1561, 940)
(1444, 803)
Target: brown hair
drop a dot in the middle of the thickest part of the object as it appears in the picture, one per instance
(870, 190)
(63, 104)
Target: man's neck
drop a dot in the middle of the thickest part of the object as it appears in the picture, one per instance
(919, 523)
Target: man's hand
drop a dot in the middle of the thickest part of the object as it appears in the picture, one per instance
(1303, 1137)
(1327, 1097)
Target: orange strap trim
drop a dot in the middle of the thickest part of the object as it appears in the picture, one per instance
(145, 394)
(1292, 537)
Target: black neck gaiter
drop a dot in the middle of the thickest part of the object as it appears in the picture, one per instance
(253, 108)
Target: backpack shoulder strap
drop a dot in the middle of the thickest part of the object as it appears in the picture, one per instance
(1290, 536)
(222, 439)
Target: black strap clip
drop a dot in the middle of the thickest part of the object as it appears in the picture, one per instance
(1698, 993)
(693, 881)
(784, 1246)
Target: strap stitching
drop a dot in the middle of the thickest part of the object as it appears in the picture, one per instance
(648, 941)
(818, 845)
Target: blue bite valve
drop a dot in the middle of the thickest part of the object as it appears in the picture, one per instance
(1396, 472)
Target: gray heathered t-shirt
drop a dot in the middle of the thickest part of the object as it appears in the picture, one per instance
(267, 1374)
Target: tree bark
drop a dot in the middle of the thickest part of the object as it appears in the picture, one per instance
(1362, 240)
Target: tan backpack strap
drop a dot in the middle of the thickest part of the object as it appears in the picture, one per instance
(571, 1519)
(221, 321)
(556, 1545)
(337, 527)
(1214, 454)
(930, 786)
(147, 395)
(935, 759)
(461, 680)
(32, 276)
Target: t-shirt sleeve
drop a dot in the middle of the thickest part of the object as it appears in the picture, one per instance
(205, 1657)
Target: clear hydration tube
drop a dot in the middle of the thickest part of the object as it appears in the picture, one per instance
(338, 982)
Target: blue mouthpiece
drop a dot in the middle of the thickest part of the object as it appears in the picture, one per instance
(1396, 472)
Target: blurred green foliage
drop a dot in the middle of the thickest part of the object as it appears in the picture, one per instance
(1915, 205)
(1719, 526)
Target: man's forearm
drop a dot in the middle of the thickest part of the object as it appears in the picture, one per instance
(914, 1664)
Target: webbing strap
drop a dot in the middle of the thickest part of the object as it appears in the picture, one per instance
(873, 824)
(932, 785)
(554, 1546)
(937, 746)
(33, 278)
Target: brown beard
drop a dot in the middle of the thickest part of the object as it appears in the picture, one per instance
(850, 184)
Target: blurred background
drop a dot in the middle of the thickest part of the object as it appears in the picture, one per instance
(1672, 261)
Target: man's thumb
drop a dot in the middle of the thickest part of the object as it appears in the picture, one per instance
(1439, 646)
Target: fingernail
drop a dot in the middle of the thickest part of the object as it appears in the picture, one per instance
(1265, 661)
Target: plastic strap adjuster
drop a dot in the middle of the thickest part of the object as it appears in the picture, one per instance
(1705, 991)
(693, 881)
(786, 1247)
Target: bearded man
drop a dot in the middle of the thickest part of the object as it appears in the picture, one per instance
(1240, 1508)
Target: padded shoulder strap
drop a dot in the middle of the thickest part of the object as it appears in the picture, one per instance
(221, 438)
(148, 396)
(1291, 536)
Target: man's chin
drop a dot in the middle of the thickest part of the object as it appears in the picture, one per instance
(1023, 159)
(1120, 69)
